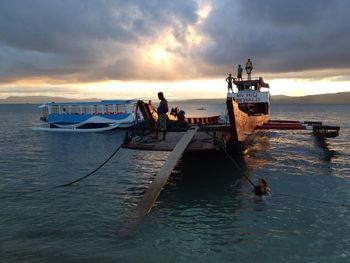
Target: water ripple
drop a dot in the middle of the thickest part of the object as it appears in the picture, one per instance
(206, 213)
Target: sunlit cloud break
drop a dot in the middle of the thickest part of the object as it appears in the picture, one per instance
(49, 44)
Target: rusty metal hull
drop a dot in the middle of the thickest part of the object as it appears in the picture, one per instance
(242, 124)
(236, 136)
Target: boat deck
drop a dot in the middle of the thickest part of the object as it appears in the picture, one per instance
(201, 141)
(204, 140)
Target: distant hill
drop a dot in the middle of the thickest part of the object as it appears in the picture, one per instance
(202, 101)
(333, 98)
(38, 100)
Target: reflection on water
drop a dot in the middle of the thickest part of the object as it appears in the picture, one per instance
(206, 213)
(257, 156)
(323, 143)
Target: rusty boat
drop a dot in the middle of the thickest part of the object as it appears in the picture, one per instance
(248, 115)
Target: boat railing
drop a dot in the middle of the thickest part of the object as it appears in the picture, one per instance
(82, 109)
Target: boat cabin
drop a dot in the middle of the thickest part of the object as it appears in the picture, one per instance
(250, 97)
(52, 112)
(255, 84)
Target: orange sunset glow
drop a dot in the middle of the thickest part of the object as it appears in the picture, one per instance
(185, 49)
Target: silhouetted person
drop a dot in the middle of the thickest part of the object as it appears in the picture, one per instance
(229, 81)
(181, 120)
(239, 72)
(162, 117)
(249, 68)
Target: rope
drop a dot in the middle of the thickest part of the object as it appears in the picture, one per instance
(222, 147)
(94, 171)
(75, 181)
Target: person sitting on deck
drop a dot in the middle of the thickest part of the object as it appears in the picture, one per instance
(229, 80)
(262, 83)
(262, 189)
(174, 111)
(162, 117)
(181, 120)
(239, 72)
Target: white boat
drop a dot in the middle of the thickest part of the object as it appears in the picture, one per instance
(97, 116)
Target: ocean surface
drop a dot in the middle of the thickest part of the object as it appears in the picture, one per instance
(206, 212)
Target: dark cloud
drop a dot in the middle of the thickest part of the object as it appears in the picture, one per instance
(90, 40)
(39, 90)
(66, 26)
(280, 36)
(61, 37)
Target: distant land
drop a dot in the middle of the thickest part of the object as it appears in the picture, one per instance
(39, 100)
(332, 98)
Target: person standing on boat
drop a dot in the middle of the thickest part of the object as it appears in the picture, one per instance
(239, 72)
(162, 117)
(229, 80)
(249, 68)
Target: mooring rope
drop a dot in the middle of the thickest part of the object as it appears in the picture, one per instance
(223, 148)
(94, 171)
(75, 181)
(278, 194)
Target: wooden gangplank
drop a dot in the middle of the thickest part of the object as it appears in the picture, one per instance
(153, 191)
(202, 141)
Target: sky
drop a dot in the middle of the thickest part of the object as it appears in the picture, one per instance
(113, 49)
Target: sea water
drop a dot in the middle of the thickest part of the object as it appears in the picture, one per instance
(206, 212)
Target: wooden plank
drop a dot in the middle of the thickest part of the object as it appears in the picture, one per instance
(146, 113)
(201, 142)
(295, 122)
(149, 143)
(283, 126)
(153, 191)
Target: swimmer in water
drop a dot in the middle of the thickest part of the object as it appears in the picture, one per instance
(262, 189)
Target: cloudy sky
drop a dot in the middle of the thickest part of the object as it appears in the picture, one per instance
(119, 48)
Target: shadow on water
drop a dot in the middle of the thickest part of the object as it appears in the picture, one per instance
(204, 176)
(322, 142)
(206, 183)
(211, 175)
